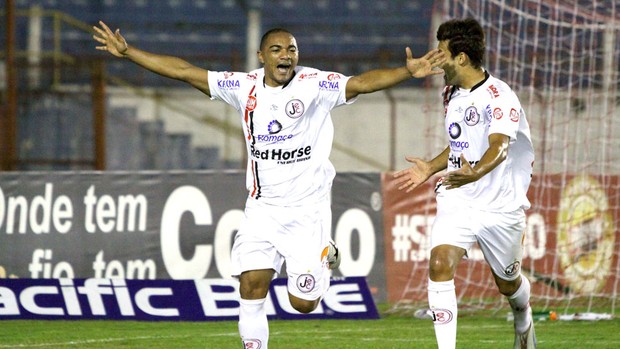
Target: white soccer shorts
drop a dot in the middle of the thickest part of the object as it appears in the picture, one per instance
(271, 235)
(498, 234)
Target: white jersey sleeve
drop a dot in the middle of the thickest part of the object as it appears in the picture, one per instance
(229, 87)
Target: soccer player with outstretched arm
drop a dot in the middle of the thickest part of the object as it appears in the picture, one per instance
(482, 197)
(285, 113)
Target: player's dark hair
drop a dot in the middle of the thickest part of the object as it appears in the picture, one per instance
(272, 31)
(464, 35)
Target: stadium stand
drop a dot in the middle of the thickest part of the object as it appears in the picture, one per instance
(346, 36)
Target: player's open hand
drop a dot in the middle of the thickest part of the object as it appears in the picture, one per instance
(413, 176)
(465, 175)
(427, 64)
(112, 42)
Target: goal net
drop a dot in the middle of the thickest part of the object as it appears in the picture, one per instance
(561, 57)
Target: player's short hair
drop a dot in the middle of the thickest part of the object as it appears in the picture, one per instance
(263, 40)
(464, 35)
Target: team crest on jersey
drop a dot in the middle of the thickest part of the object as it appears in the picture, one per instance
(295, 108)
(305, 283)
(454, 130)
(274, 127)
(251, 103)
(471, 116)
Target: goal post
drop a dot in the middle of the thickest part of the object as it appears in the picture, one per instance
(561, 58)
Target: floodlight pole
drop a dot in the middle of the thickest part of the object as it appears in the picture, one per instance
(254, 15)
(8, 121)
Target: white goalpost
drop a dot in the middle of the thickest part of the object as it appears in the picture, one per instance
(562, 59)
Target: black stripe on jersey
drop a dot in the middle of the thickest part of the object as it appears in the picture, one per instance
(257, 189)
(251, 125)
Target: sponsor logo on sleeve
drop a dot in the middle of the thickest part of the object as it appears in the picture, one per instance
(493, 91)
(329, 85)
(498, 113)
(228, 83)
(333, 76)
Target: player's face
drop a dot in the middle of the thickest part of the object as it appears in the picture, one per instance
(450, 66)
(279, 57)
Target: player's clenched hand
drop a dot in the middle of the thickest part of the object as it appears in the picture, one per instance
(425, 66)
(465, 175)
(413, 176)
(112, 42)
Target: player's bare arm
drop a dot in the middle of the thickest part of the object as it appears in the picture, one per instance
(379, 79)
(421, 170)
(168, 66)
(495, 155)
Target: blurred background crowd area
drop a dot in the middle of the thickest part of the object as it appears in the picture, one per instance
(67, 106)
(55, 63)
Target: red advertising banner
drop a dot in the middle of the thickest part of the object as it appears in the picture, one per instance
(571, 244)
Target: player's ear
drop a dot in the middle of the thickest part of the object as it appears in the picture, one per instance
(463, 58)
(260, 57)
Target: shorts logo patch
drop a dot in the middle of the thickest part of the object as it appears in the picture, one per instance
(305, 283)
(513, 269)
(442, 316)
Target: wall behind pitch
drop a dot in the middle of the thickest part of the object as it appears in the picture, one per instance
(159, 225)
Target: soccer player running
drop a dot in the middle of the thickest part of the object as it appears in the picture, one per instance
(284, 110)
(482, 196)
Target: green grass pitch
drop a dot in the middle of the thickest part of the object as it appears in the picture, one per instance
(389, 332)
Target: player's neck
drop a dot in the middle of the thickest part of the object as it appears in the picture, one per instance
(472, 78)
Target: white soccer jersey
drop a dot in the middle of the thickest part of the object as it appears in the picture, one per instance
(288, 131)
(470, 117)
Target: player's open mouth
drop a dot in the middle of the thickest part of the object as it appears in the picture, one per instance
(283, 68)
